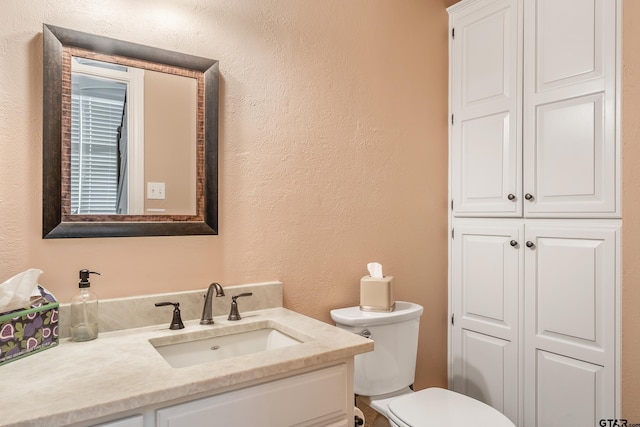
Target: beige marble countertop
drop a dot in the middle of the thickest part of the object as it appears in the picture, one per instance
(121, 370)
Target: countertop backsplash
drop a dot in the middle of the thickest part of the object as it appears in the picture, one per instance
(139, 311)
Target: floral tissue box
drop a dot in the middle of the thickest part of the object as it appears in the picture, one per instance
(29, 330)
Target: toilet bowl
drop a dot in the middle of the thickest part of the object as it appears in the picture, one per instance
(383, 376)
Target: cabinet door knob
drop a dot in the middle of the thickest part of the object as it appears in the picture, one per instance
(511, 197)
(513, 243)
(529, 244)
(528, 196)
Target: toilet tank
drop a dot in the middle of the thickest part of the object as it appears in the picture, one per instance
(391, 366)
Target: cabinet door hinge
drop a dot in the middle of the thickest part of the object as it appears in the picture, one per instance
(453, 319)
(451, 204)
(452, 120)
(453, 33)
(453, 233)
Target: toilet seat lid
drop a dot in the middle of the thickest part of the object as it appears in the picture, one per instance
(441, 407)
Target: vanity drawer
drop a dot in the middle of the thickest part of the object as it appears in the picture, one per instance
(135, 421)
(316, 398)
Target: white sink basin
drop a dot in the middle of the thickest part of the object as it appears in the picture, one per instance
(193, 349)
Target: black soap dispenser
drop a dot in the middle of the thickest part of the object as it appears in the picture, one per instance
(84, 310)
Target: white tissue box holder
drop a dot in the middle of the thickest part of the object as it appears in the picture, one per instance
(376, 294)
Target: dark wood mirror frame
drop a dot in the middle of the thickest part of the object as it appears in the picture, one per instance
(56, 220)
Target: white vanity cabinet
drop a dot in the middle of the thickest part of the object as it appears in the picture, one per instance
(308, 384)
(317, 398)
(535, 208)
(313, 397)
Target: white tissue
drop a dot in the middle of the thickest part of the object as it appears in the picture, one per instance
(375, 270)
(16, 292)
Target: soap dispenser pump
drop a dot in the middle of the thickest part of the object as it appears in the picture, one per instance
(84, 310)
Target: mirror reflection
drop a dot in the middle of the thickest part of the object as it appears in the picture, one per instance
(117, 167)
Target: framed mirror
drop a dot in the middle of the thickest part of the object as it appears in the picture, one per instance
(130, 139)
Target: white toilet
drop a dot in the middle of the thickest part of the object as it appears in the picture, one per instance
(383, 376)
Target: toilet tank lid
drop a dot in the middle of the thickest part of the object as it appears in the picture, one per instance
(353, 316)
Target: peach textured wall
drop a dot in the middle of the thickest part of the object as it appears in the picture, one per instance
(333, 152)
(631, 206)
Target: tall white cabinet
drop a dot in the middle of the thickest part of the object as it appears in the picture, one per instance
(535, 208)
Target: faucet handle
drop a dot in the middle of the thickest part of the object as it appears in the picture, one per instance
(176, 322)
(245, 294)
(235, 314)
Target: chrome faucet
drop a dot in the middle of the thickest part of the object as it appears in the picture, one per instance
(207, 316)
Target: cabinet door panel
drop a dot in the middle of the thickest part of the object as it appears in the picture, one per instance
(569, 392)
(570, 278)
(484, 165)
(486, 277)
(485, 141)
(569, 329)
(485, 68)
(560, 30)
(573, 159)
(488, 371)
(570, 144)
